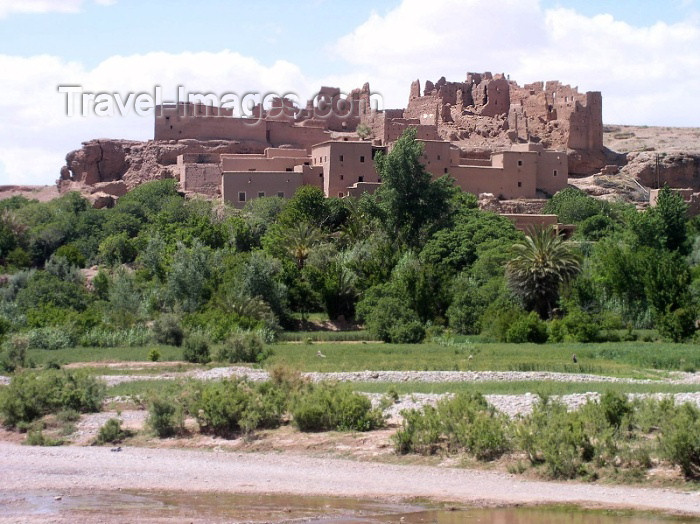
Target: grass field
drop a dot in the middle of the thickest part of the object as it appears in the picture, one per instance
(622, 359)
(81, 354)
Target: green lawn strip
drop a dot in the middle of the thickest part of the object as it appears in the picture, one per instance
(145, 388)
(622, 359)
(83, 354)
(521, 387)
(326, 336)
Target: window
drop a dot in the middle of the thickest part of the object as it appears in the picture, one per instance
(362, 159)
(438, 157)
(520, 184)
(360, 179)
(520, 162)
(241, 196)
(280, 194)
(288, 169)
(251, 169)
(306, 163)
(261, 194)
(341, 158)
(445, 170)
(555, 172)
(340, 195)
(341, 177)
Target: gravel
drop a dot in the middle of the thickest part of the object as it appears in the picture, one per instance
(60, 470)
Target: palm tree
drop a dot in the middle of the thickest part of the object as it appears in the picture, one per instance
(542, 263)
(299, 240)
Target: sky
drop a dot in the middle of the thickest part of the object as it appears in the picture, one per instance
(643, 55)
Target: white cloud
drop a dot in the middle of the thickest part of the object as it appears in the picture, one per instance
(646, 74)
(36, 133)
(8, 7)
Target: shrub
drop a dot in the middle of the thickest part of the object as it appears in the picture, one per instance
(463, 423)
(14, 354)
(226, 407)
(154, 355)
(677, 325)
(196, 349)
(615, 407)
(110, 338)
(32, 395)
(679, 441)
(50, 338)
(527, 328)
(243, 346)
(37, 438)
(552, 436)
(111, 433)
(167, 330)
(165, 417)
(582, 326)
(391, 320)
(327, 407)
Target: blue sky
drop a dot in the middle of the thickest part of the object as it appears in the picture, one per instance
(642, 55)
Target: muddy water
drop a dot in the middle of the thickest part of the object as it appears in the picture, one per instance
(112, 507)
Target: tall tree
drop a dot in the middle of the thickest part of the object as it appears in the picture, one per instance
(541, 264)
(411, 205)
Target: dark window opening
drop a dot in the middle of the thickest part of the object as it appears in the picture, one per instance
(520, 184)
(289, 169)
(306, 163)
(520, 162)
(280, 194)
(261, 194)
(341, 158)
(362, 159)
(241, 196)
(341, 177)
(445, 170)
(555, 172)
(360, 179)
(340, 194)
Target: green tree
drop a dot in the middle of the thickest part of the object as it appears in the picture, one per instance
(541, 264)
(411, 206)
(299, 240)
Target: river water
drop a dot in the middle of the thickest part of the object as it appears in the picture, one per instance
(124, 506)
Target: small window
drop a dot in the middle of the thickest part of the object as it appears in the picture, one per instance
(340, 194)
(520, 162)
(280, 194)
(341, 177)
(520, 184)
(241, 196)
(171, 127)
(251, 169)
(438, 157)
(341, 158)
(555, 172)
(289, 169)
(362, 159)
(261, 194)
(320, 175)
(445, 170)
(360, 179)
(306, 163)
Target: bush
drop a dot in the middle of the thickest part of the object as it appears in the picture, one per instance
(527, 328)
(167, 330)
(391, 320)
(32, 395)
(552, 436)
(14, 354)
(582, 326)
(226, 407)
(196, 349)
(50, 338)
(327, 407)
(677, 325)
(154, 355)
(165, 417)
(679, 441)
(243, 346)
(111, 338)
(111, 433)
(463, 423)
